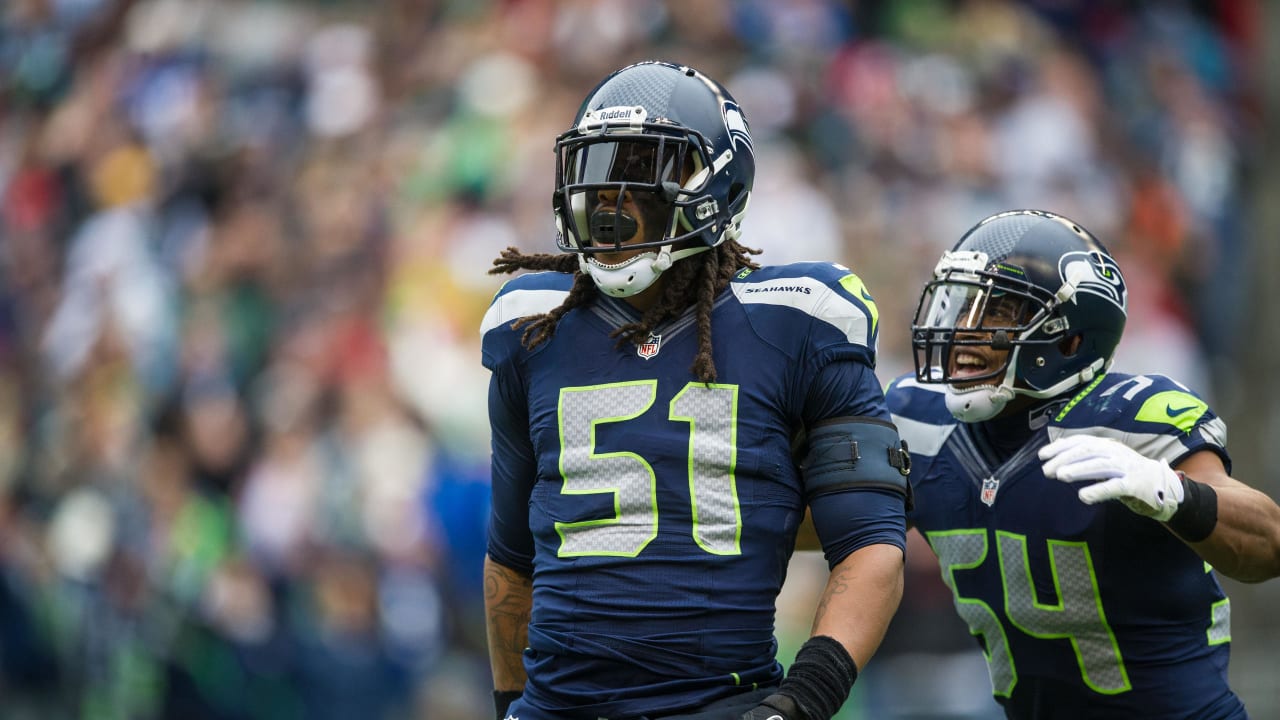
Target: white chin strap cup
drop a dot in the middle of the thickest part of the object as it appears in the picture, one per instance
(987, 401)
(977, 404)
(634, 275)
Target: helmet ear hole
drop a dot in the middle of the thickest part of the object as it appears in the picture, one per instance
(1071, 345)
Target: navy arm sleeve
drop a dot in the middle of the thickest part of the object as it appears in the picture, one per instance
(844, 388)
(513, 472)
(854, 518)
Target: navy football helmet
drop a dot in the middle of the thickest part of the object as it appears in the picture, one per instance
(658, 140)
(1025, 283)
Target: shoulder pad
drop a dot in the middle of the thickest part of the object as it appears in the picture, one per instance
(821, 291)
(521, 296)
(526, 295)
(1151, 413)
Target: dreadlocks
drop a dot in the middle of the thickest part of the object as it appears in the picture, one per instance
(688, 283)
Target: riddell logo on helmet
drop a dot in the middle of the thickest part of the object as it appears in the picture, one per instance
(614, 113)
(633, 116)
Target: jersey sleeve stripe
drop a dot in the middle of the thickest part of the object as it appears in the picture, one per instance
(1153, 445)
(814, 298)
(520, 303)
(1214, 432)
(924, 439)
(908, 381)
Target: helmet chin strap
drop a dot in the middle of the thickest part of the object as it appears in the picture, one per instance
(637, 274)
(985, 402)
(634, 275)
(978, 403)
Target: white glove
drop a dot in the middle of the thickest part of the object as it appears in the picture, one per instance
(1147, 487)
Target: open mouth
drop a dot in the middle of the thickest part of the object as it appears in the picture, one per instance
(968, 364)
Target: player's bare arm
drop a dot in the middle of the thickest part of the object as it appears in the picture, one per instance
(508, 600)
(1245, 540)
(1233, 527)
(860, 598)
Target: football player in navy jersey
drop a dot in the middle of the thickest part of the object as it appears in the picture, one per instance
(663, 411)
(1080, 516)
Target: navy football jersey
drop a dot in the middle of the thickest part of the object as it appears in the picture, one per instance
(1083, 611)
(655, 512)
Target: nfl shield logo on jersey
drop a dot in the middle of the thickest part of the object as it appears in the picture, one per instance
(989, 488)
(650, 347)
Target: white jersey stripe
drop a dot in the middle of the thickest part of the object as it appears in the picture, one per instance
(922, 438)
(520, 303)
(1160, 446)
(810, 296)
(910, 382)
(1215, 432)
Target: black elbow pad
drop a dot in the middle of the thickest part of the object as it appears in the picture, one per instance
(855, 452)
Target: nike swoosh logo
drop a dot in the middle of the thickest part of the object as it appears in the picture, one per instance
(1175, 412)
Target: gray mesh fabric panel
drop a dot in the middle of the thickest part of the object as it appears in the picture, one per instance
(715, 504)
(626, 475)
(1076, 615)
(647, 85)
(999, 239)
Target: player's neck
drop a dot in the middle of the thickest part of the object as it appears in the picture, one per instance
(645, 300)
(1008, 432)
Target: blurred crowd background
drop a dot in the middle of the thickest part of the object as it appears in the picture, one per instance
(243, 255)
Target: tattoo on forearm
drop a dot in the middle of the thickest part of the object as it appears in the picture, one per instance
(837, 584)
(508, 603)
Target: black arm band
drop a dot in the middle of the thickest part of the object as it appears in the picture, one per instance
(848, 452)
(1197, 514)
(502, 700)
(820, 679)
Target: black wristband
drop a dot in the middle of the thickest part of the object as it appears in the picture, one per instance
(502, 700)
(1197, 514)
(820, 678)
